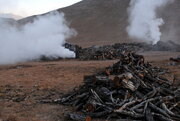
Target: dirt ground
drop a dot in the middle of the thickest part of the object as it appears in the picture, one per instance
(23, 85)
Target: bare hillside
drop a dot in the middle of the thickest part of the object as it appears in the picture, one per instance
(101, 22)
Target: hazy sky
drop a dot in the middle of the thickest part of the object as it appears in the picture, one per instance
(32, 7)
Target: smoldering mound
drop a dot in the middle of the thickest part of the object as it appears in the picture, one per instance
(44, 36)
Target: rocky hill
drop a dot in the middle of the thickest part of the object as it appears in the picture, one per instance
(101, 22)
(9, 15)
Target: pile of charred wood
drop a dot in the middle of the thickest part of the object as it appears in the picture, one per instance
(107, 52)
(176, 59)
(110, 52)
(129, 90)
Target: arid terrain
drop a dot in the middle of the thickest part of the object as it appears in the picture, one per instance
(24, 85)
(98, 22)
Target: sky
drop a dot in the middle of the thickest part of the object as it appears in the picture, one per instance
(26, 8)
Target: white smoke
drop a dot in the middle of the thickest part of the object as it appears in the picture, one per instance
(143, 21)
(45, 36)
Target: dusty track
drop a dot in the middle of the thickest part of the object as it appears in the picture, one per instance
(23, 85)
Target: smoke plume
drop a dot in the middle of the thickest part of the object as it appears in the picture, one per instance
(45, 36)
(143, 21)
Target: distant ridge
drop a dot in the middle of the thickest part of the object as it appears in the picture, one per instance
(9, 15)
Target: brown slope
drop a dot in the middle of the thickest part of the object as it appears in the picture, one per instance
(98, 21)
(171, 28)
(104, 21)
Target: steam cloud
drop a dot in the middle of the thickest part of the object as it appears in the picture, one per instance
(45, 36)
(143, 21)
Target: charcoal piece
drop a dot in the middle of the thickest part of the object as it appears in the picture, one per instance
(160, 117)
(159, 110)
(76, 117)
(148, 115)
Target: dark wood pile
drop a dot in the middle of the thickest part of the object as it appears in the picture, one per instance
(110, 52)
(107, 52)
(176, 59)
(129, 90)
